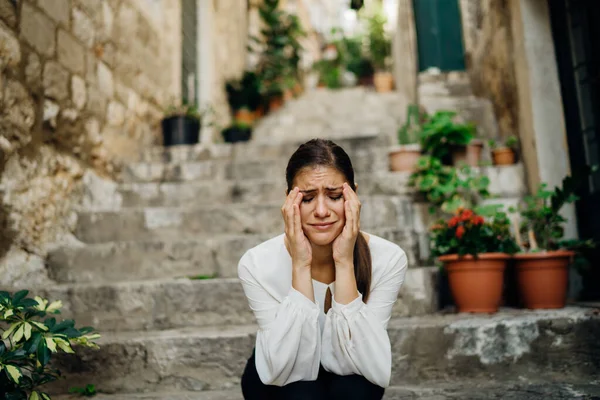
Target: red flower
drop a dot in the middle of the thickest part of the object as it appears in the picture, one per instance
(460, 231)
(466, 215)
(453, 222)
(477, 220)
(436, 227)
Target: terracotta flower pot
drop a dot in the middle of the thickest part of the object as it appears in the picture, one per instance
(476, 283)
(275, 103)
(245, 116)
(404, 158)
(469, 154)
(543, 278)
(503, 156)
(384, 81)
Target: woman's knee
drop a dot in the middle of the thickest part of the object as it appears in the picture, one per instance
(354, 387)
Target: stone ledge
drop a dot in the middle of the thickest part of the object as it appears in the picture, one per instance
(510, 345)
(173, 258)
(183, 303)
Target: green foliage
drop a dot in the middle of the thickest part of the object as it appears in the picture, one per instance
(512, 142)
(88, 391)
(244, 92)
(189, 110)
(541, 212)
(441, 131)
(469, 233)
(448, 188)
(410, 132)
(380, 45)
(28, 341)
(278, 66)
(203, 277)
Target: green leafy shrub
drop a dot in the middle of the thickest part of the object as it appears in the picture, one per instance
(441, 131)
(29, 338)
(448, 188)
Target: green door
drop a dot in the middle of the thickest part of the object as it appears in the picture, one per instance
(439, 35)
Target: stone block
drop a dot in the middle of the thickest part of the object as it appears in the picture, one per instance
(18, 108)
(10, 49)
(105, 79)
(55, 81)
(33, 72)
(83, 28)
(38, 30)
(58, 10)
(97, 101)
(70, 53)
(8, 13)
(115, 115)
(79, 92)
(525, 344)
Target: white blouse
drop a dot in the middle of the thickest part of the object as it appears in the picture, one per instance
(295, 336)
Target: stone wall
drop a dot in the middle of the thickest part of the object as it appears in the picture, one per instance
(489, 56)
(82, 87)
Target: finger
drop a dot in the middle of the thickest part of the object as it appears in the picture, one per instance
(297, 221)
(349, 216)
(288, 200)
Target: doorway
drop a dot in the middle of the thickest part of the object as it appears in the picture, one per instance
(576, 32)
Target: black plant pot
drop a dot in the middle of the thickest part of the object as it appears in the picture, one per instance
(180, 129)
(233, 134)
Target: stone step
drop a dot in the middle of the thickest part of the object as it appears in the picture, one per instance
(377, 212)
(505, 182)
(559, 389)
(216, 255)
(178, 303)
(513, 344)
(186, 194)
(363, 160)
(253, 150)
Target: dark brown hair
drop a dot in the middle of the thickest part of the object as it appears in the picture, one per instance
(321, 152)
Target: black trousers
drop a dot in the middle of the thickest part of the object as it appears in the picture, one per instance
(328, 386)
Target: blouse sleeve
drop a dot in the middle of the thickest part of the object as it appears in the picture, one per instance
(355, 339)
(288, 341)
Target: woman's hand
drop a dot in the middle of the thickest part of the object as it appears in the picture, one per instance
(296, 242)
(343, 245)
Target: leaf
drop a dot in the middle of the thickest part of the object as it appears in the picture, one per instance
(9, 313)
(43, 354)
(20, 295)
(34, 396)
(14, 373)
(45, 396)
(51, 344)
(40, 325)
(10, 330)
(19, 333)
(27, 330)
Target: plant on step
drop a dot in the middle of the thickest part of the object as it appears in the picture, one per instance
(542, 225)
(380, 44)
(410, 132)
(244, 92)
(448, 188)
(88, 391)
(29, 338)
(475, 252)
(442, 131)
(467, 232)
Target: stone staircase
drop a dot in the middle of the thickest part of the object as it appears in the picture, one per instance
(186, 213)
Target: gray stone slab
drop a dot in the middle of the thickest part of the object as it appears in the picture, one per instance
(508, 345)
(472, 389)
(179, 303)
(261, 218)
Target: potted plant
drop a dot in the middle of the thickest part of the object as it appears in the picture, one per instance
(30, 337)
(542, 271)
(504, 154)
(405, 156)
(447, 188)
(380, 50)
(181, 125)
(243, 96)
(237, 132)
(475, 253)
(443, 135)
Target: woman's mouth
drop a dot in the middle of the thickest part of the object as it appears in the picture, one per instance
(322, 226)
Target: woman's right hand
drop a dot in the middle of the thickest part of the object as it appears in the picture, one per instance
(296, 241)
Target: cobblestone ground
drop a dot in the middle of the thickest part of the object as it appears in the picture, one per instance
(509, 391)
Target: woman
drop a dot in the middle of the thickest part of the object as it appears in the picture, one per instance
(323, 292)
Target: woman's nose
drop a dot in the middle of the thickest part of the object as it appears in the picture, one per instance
(321, 209)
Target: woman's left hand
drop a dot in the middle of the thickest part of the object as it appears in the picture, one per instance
(343, 245)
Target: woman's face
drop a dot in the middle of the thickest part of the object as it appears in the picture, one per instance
(322, 207)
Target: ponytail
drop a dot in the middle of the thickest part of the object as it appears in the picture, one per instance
(362, 266)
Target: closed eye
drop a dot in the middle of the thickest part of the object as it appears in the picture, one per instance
(305, 200)
(336, 197)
